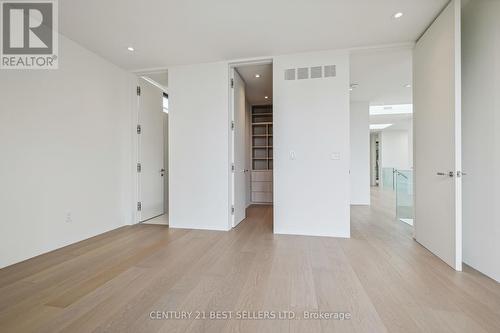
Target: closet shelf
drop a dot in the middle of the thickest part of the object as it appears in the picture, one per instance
(262, 154)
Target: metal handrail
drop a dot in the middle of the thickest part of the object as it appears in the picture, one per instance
(402, 175)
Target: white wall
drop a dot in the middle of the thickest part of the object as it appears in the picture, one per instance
(65, 147)
(199, 146)
(360, 153)
(311, 119)
(395, 149)
(481, 139)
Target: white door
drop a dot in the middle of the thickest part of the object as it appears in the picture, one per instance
(151, 151)
(239, 149)
(165, 155)
(437, 128)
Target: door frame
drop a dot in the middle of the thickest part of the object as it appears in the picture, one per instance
(231, 66)
(136, 141)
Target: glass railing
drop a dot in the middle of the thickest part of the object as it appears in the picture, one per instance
(388, 178)
(403, 180)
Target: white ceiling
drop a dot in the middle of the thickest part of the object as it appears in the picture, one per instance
(257, 88)
(381, 75)
(169, 32)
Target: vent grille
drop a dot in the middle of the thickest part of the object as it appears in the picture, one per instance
(316, 72)
(330, 71)
(290, 74)
(302, 73)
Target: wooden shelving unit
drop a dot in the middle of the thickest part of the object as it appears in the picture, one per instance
(262, 154)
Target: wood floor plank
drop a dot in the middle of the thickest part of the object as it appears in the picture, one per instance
(76, 310)
(66, 276)
(114, 314)
(102, 277)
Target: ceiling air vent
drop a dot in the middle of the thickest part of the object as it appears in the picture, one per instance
(290, 74)
(316, 72)
(330, 71)
(302, 73)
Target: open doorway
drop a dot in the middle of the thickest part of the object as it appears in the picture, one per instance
(391, 128)
(381, 89)
(152, 148)
(252, 136)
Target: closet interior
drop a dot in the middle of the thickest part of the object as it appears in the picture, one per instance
(262, 154)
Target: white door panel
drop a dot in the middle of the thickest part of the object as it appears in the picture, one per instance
(151, 151)
(240, 173)
(437, 128)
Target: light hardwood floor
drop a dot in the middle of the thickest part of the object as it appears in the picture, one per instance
(381, 276)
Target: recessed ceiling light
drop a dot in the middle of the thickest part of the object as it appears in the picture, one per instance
(398, 15)
(379, 126)
(130, 48)
(266, 97)
(408, 85)
(257, 75)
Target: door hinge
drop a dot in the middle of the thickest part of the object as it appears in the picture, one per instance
(139, 206)
(139, 167)
(232, 167)
(232, 210)
(232, 83)
(138, 91)
(232, 125)
(139, 129)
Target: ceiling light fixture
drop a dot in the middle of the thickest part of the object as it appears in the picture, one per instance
(257, 75)
(266, 97)
(379, 126)
(130, 48)
(378, 110)
(398, 15)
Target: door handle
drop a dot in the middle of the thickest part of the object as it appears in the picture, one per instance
(449, 174)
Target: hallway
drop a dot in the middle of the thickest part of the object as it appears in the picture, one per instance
(381, 277)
